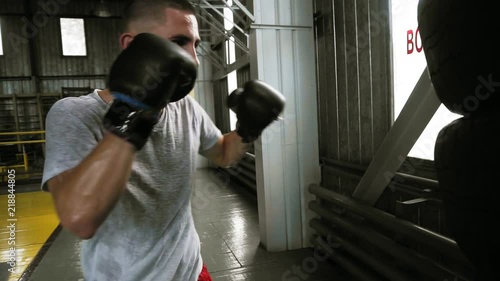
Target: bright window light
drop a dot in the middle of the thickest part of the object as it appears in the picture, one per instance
(73, 37)
(1, 42)
(229, 17)
(232, 84)
(230, 51)
(409, 63)
(228, 25)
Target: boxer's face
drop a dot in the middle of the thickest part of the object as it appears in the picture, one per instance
(179, 27)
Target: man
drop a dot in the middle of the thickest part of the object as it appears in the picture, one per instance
(119, 163)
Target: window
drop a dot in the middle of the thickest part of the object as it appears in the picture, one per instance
(232, 84)
(1, 42)
(232, 81)
(228, 16)
(228, 25)
(408, 64)
(230, 51)
(73, 37)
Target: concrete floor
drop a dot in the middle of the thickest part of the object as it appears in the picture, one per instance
(227, 221)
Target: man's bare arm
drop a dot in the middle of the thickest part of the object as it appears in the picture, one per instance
(228, 150)
(85, 195)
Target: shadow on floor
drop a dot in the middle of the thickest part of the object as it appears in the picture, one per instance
(4, 271)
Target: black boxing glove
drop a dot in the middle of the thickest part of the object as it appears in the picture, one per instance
(147, 75)
(256, 106)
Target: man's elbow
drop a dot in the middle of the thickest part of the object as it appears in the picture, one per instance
(220, 164)
(224, 163)
(80, 226)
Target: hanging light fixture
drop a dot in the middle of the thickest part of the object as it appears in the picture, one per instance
(102, 10)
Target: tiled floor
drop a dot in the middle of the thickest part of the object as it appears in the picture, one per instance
(227, 221)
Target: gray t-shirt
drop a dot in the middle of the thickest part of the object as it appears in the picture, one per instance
(150, 234)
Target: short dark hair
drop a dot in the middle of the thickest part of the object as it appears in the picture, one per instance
(139, 9)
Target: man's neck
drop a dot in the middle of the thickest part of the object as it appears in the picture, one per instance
(105, 96)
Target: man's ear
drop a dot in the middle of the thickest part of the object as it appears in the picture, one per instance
(125, 40)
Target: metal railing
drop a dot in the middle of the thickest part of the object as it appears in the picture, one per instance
(21, 143)
(350, 223)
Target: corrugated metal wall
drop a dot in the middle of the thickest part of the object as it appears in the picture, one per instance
(80, 7)
(203, 90)
(241, 37)
(355, 97)
(89, 71)
(354, 70)
(33, 62)
(38, 27)
(221, 110)
(15, 68)
(102, 48)
(11, 6)
(243, 75)
(354, 81)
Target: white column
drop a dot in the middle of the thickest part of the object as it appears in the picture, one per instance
(203, 91)
(287, 157)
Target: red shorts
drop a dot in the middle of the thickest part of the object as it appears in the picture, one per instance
(204, 276)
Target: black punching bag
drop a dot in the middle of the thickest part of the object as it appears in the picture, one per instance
(463, 61)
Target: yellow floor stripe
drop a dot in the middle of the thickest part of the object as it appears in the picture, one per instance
(35, 218)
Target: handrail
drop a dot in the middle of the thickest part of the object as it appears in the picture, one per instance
(430, 183)
(22, 133)
(357, 251)
(439, 242)
(356, 175)
(360, 272)
(21, 142)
